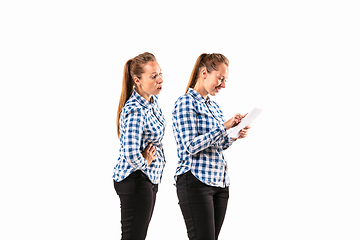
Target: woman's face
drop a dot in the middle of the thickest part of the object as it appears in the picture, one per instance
(215, 80)
(151, 80)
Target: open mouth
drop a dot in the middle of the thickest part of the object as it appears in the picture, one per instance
(159, 88)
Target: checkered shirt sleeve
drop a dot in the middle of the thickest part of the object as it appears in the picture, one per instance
(131, 139)
(201, 137)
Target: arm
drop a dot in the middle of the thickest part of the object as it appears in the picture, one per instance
(133, 126)
(228, 141)
(184, 117)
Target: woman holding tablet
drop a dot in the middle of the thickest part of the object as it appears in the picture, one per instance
(140, 128)
(199, 128)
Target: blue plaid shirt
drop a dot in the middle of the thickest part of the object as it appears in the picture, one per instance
(141, 123)
(201, 138)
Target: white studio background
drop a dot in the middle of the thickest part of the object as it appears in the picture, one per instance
(296, 176)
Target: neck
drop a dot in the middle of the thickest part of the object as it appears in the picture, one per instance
(143, 94)
(201, 90)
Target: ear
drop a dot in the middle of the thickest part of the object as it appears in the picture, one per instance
(204, 73)
(136, 80)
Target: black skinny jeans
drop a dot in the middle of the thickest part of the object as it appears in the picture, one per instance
(202, 206)
(137, 199)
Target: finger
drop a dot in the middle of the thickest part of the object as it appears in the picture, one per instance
(243, 133)
(242, 116)
(150, 147)
(237, 119)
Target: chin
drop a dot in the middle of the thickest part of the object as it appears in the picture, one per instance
(157, 92)
(214, 93)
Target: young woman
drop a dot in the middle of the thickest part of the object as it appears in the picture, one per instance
(140, 128)
(199, 128)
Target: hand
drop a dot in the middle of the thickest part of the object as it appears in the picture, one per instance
(243, 132)
(235, 120)
(149, 153)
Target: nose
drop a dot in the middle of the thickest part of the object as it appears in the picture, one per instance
(160, 81)
(222, 84)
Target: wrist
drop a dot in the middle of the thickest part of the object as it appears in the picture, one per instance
(227, 127)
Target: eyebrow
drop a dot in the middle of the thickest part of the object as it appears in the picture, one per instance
(156, 72)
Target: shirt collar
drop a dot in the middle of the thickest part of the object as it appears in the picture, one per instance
(143, 102)
(198, 96)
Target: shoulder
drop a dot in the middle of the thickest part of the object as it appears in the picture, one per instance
(185, 99)
(184, 103)
(132, 107)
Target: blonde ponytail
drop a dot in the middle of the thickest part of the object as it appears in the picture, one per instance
(195, 72)
(126, 91)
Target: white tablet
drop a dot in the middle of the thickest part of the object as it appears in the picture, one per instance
(247, 120)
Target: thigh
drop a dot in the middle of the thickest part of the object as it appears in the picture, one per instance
(144, 207)
(221, 198)
(145, 197)
(196, 203)
(137, 199)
